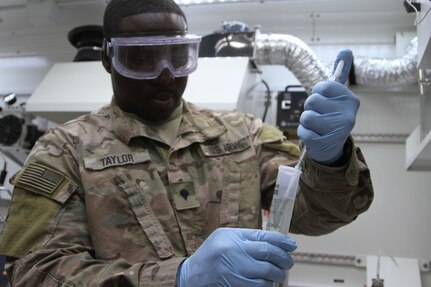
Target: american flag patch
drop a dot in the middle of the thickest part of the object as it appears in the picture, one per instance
(41, 178)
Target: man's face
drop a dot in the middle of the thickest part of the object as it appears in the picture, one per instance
(151, 99)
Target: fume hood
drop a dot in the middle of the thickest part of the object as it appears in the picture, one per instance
(418, 144)
(72, 89)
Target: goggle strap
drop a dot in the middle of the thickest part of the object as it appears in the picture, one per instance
(107, 47)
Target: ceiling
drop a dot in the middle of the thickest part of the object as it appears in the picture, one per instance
(40, 27)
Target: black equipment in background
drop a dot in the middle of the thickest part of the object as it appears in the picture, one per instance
(219, 44)
(19, 130)
(3, 276)
(290, 105)
(88, 39)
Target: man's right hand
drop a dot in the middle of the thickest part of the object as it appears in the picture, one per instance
(238, 257)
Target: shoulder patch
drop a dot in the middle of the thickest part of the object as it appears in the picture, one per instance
(270, 134)
(40, 178)
(273, 138)
(285, 146)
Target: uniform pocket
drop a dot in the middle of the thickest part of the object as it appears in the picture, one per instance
(229, 208)
(145, 215)
(238, 173)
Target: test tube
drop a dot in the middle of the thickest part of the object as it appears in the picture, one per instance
(283, 201)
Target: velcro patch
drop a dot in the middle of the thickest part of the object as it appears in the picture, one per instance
(40, 178)
(225, 147)
(108, 160)
(184, 195)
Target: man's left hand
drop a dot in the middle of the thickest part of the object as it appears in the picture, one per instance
(329, 114)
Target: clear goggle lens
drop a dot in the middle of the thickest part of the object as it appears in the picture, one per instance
(147, 57)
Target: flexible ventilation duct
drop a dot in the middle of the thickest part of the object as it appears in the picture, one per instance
(389, 72)
(290, 51)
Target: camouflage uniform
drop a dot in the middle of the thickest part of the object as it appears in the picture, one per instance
(102, 201)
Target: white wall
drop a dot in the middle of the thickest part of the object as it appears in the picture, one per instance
(397, 221)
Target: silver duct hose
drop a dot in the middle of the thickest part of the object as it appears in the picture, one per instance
(290, 51)
(389, 72)
(293, 53)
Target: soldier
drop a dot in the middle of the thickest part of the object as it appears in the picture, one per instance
(152, 190)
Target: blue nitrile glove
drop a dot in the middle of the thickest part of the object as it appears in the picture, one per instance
(329, 114)
(238, 257)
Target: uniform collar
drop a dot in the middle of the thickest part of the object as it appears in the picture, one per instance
(196, 125)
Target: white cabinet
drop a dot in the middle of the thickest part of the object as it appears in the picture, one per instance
(418, 145)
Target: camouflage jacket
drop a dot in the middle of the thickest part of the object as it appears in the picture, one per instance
(102, 201)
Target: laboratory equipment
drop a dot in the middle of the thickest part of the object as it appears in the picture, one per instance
(290, 105)
(378, 282)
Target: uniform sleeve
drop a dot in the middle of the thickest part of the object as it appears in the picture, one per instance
(328, 197)
(47, 238)
(331, 197)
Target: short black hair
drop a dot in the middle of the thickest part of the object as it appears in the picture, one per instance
(117, 10)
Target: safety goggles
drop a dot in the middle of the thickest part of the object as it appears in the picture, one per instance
(146, 57)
